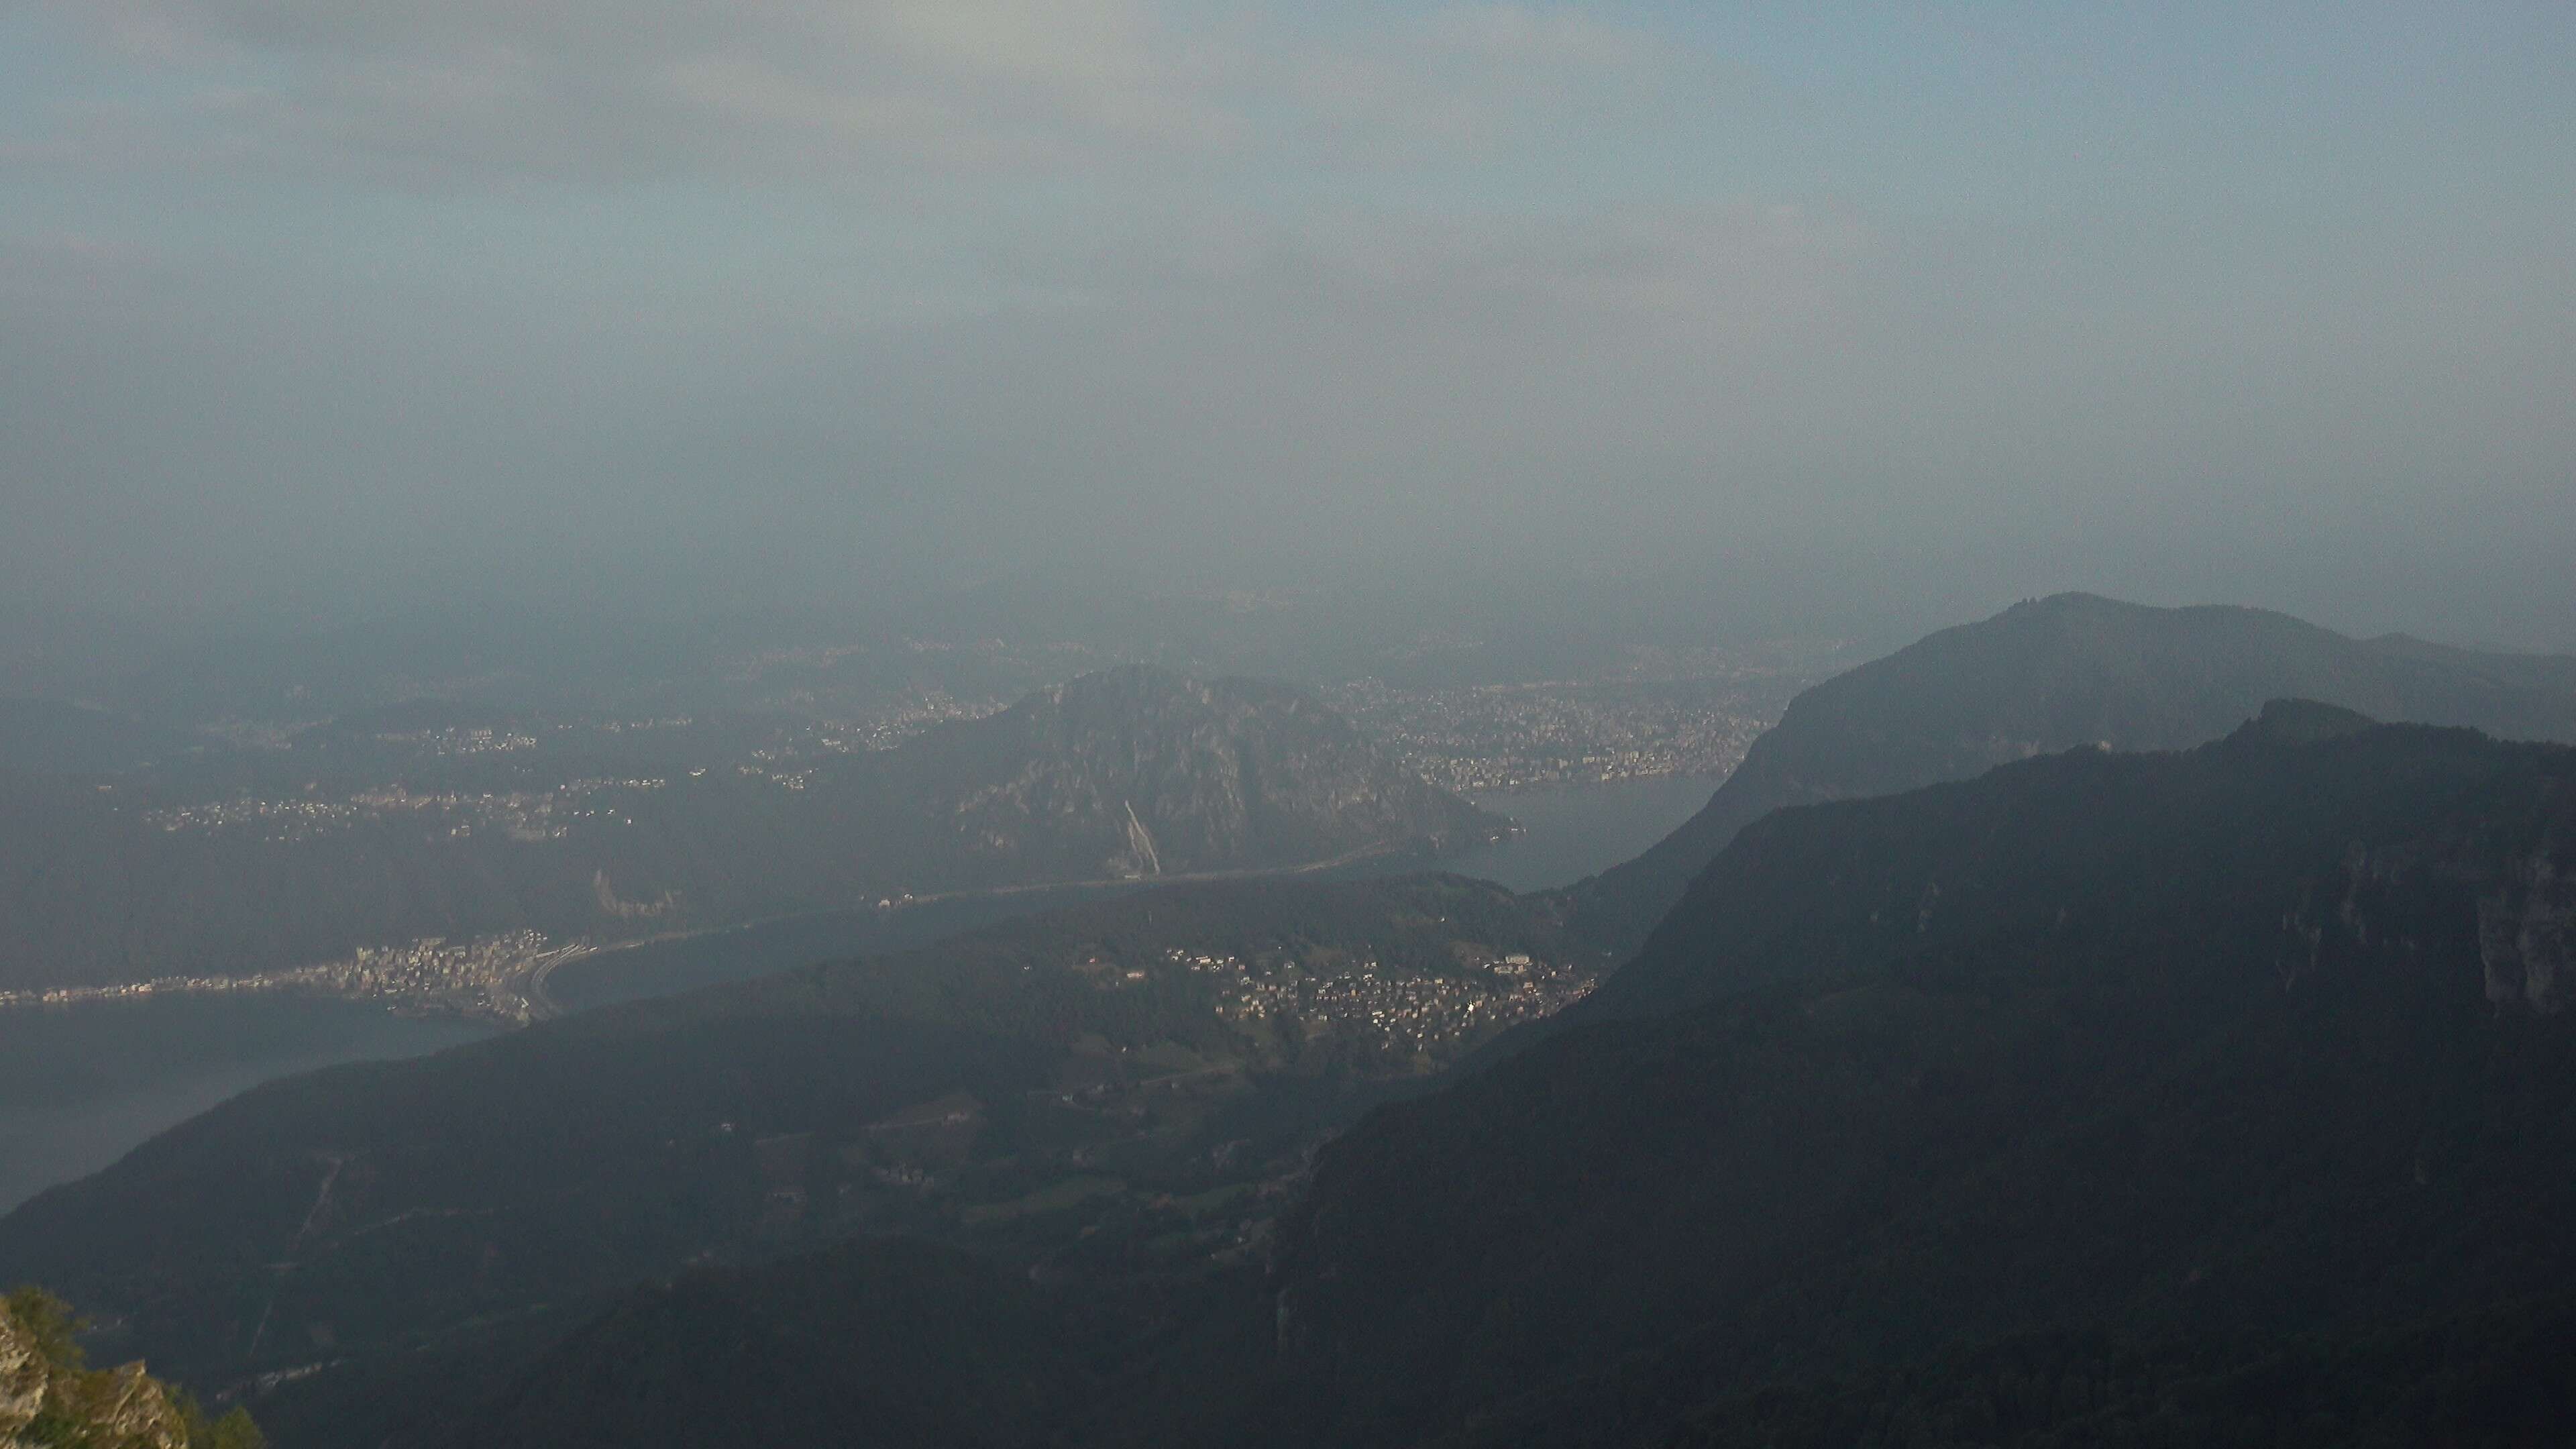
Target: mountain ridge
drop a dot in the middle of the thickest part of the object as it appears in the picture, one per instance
(2216, 1096)
(2267, 1036)
(2054, 673)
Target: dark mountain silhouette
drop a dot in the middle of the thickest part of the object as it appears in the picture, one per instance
(2048, 675)
(2219, 1095)
(2261, 1044)
(2213, 1097)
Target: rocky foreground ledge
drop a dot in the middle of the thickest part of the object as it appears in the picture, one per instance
(49, 1396)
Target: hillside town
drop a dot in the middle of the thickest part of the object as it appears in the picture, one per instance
(497, 978)
(1407, 1016)
(1497, 738)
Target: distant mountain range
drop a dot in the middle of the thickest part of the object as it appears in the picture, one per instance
(2064, 1064)
(1134, 773)
(2055, 673)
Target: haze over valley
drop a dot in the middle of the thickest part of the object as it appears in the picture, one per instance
(1138, 724)
(1125, 1097)
(449, 849)
(466, 858)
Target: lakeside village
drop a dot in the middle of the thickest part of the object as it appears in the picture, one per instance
(501, 979)
(489, 978)
(1412, 1017)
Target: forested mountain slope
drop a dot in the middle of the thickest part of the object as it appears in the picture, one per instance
(2051, 674)
(1150, 1067)
(2265, 1038)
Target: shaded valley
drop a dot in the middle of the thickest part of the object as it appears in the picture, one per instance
(1152, 1067)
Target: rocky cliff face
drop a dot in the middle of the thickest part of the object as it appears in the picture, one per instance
(2527, 934)
(47, 1399)
(2521, 901)
(1139, 773)
(22, 1381)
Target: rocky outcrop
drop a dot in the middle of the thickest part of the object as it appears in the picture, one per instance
(124, 1409)
(2527, 935)
(22, 1380)
(2518, 905)
(47, 1398)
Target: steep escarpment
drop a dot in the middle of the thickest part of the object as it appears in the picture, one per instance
(2060, 672)
(2527, 933)
(2184, 1049)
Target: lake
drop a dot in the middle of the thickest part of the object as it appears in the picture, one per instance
(1580, 830)
(1568, 833)
(81, 1086)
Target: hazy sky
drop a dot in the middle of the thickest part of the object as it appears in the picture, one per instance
(327, 306)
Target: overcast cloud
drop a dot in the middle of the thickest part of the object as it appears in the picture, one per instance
(348, 306)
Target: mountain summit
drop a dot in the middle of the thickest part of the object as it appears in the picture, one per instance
(2052, 674)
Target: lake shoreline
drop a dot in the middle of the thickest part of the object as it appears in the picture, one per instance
(83, 1083)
